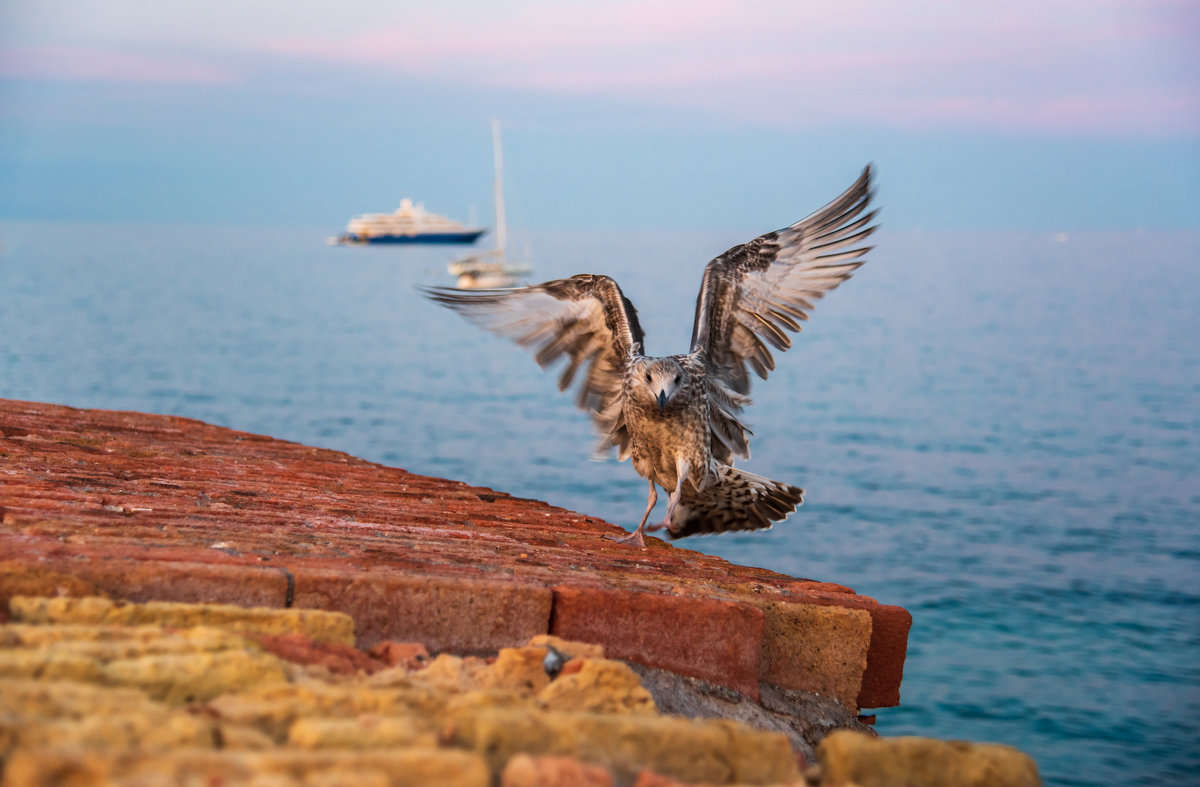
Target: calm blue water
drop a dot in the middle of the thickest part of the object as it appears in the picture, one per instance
(1000, 432)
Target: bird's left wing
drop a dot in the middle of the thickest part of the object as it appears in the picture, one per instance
(756, 293)
(585, 318)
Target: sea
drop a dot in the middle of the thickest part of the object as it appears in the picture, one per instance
(998, 431)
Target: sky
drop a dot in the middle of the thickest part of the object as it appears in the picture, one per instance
(655, 114)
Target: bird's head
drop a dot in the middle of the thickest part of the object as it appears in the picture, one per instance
(657, 380)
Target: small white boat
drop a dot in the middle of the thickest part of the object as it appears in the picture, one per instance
(490, 269)
(487, 261)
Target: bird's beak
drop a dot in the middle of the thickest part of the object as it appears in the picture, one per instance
(662, 402)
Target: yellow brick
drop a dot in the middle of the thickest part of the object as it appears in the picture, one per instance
(46, 664)
(106, 643)
(195, 677)
(600, 686)
(758, 757)
(322, 626)
(33, 699)
(882, 762)
(516, 669)
(691, 751)
(568, 647)
(363, 732)
(816, 648)
(399, 768)
(474, 701)
(274, 709)
(451, 673)
(110, 732)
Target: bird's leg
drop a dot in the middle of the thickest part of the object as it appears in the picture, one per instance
(682, 470)
(636, 537)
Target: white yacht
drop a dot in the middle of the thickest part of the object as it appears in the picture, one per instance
(411, 223)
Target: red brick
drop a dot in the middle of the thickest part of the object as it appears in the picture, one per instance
(339, 659)
(716, 641)
(885, 654)
(410, 655)
(461, 615)
(151, 507)
(526, 771)
(885, 657)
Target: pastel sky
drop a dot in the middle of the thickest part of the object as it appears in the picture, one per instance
(1054, 114)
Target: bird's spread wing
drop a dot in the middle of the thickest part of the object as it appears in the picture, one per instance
(585, 318)
(754, 294)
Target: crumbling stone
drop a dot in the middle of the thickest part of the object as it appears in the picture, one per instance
(320, 625)
(692, 751)
(597, 686)
(866, 761)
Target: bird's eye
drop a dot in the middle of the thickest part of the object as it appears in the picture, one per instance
(678, 377)
(647, 376)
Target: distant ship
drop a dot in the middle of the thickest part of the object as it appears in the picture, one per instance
(411, 223)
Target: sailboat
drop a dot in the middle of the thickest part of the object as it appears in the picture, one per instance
(491, 268)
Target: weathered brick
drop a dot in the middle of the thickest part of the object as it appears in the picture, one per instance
(194, 677)
(885, 658)
(49, 665)
(320, 625)
(517, 669)
(411, 655)
(694, 751)
(36, 699)
(397, 768)
(144, 507)
(864, 760)
(18, 579)
(822, 649)
(463, 615)
(142, 729)
(717, 641)
(597, 686)
(362, 732)
(525, 771)
(889, 644)
(190, 582)
(276, 707)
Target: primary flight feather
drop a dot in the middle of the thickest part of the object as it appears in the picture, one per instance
(678, 416)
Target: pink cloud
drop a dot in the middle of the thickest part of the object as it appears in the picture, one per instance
(1037, 65)
(1057, 67)
(89, 64)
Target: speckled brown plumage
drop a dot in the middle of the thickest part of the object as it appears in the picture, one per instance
(678, 416)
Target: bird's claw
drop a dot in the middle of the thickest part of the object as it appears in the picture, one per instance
(633, 539)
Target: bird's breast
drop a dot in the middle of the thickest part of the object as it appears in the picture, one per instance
(658, 441)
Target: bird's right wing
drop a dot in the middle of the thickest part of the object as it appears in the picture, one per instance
(585, 318)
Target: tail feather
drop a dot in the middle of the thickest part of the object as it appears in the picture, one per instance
(736, 500)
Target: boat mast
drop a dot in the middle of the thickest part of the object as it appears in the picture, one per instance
(501, 231)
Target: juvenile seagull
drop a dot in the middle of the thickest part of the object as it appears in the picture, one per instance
(678, 415)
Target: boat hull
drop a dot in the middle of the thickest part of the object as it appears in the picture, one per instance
(419, 238)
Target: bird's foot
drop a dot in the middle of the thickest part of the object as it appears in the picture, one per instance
(633, 539)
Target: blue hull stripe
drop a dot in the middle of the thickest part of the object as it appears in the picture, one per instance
(428, 237)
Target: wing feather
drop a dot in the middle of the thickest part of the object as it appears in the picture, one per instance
(585, 319)
(759, 290)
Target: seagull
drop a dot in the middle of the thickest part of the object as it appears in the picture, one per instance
(679, 416)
